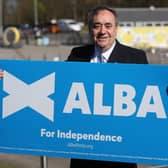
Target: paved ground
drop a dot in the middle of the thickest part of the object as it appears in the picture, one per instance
(54, 52)
(60, 52)
(28, 161)
(36, 52)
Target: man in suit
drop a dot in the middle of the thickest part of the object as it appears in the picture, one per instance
(105, 48)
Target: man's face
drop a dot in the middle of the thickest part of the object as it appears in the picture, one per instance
(104, 29)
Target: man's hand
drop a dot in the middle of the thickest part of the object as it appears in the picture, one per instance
(1, 74)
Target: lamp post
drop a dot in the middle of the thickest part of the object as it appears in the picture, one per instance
(1, 20)
(36, 12)
(74, 7)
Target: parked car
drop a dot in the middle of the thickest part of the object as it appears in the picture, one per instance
(66, 25)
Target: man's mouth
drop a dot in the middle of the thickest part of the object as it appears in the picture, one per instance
(102, 38)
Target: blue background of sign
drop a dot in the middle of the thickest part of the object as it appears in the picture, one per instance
(145, 140)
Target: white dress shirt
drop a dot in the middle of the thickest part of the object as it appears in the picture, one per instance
(104, 55)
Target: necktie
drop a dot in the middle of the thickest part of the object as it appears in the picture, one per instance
(101, 58)
(104, 59)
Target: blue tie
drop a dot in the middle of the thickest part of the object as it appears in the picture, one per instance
(99, 58)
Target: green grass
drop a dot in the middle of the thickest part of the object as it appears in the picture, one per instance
(7, 166)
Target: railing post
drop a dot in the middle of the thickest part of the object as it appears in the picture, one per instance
(44, 162)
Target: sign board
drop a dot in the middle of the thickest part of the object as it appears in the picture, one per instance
(114, 112)
(144, 37)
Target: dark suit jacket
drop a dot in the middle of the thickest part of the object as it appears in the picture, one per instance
(120, 54)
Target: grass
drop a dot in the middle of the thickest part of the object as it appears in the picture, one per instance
(2, 165)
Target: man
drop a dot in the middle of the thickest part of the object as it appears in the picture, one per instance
(105, 48)
(1, 73)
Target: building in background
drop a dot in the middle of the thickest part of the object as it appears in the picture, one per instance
(143, 27)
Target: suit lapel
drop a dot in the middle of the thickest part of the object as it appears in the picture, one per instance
(114, 57)
(89, 53)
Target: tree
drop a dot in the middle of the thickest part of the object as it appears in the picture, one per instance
(77, 9)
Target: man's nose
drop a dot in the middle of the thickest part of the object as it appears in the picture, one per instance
(102, 29)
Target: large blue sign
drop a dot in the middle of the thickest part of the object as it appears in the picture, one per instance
(116, 112)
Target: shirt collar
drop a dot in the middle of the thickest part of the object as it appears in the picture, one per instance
(107, 53)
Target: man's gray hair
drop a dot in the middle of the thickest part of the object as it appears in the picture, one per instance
(94, 12)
